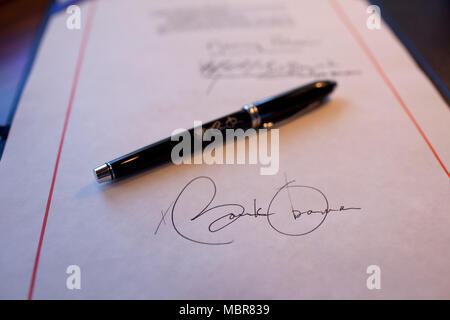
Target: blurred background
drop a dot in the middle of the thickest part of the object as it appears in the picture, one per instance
(423, 26)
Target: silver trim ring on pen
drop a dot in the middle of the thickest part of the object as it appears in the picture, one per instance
(111, 171)
(254, 115)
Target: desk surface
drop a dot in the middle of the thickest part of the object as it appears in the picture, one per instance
(423, 26)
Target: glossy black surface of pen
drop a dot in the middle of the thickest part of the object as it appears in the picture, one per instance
(160, 152)
(261, 114)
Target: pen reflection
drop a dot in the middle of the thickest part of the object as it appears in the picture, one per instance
(129, 160)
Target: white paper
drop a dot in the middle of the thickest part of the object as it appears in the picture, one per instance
(149, 68)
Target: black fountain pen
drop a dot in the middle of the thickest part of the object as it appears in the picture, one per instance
(261, 114)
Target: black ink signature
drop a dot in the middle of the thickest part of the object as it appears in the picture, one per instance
(226, 68)
(223, 216)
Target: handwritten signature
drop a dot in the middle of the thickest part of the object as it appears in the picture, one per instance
(281, 216)
(227, 68)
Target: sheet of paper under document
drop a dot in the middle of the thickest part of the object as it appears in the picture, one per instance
(359, 206)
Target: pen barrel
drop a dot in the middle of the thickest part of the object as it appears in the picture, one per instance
(263, 113)
(282, 106)
(160, 152)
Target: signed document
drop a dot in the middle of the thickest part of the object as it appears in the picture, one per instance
(358, 209)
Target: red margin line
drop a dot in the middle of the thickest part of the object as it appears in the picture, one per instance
(61, 143)
(347, 22)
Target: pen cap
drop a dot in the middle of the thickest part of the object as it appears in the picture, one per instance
(282, 106)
